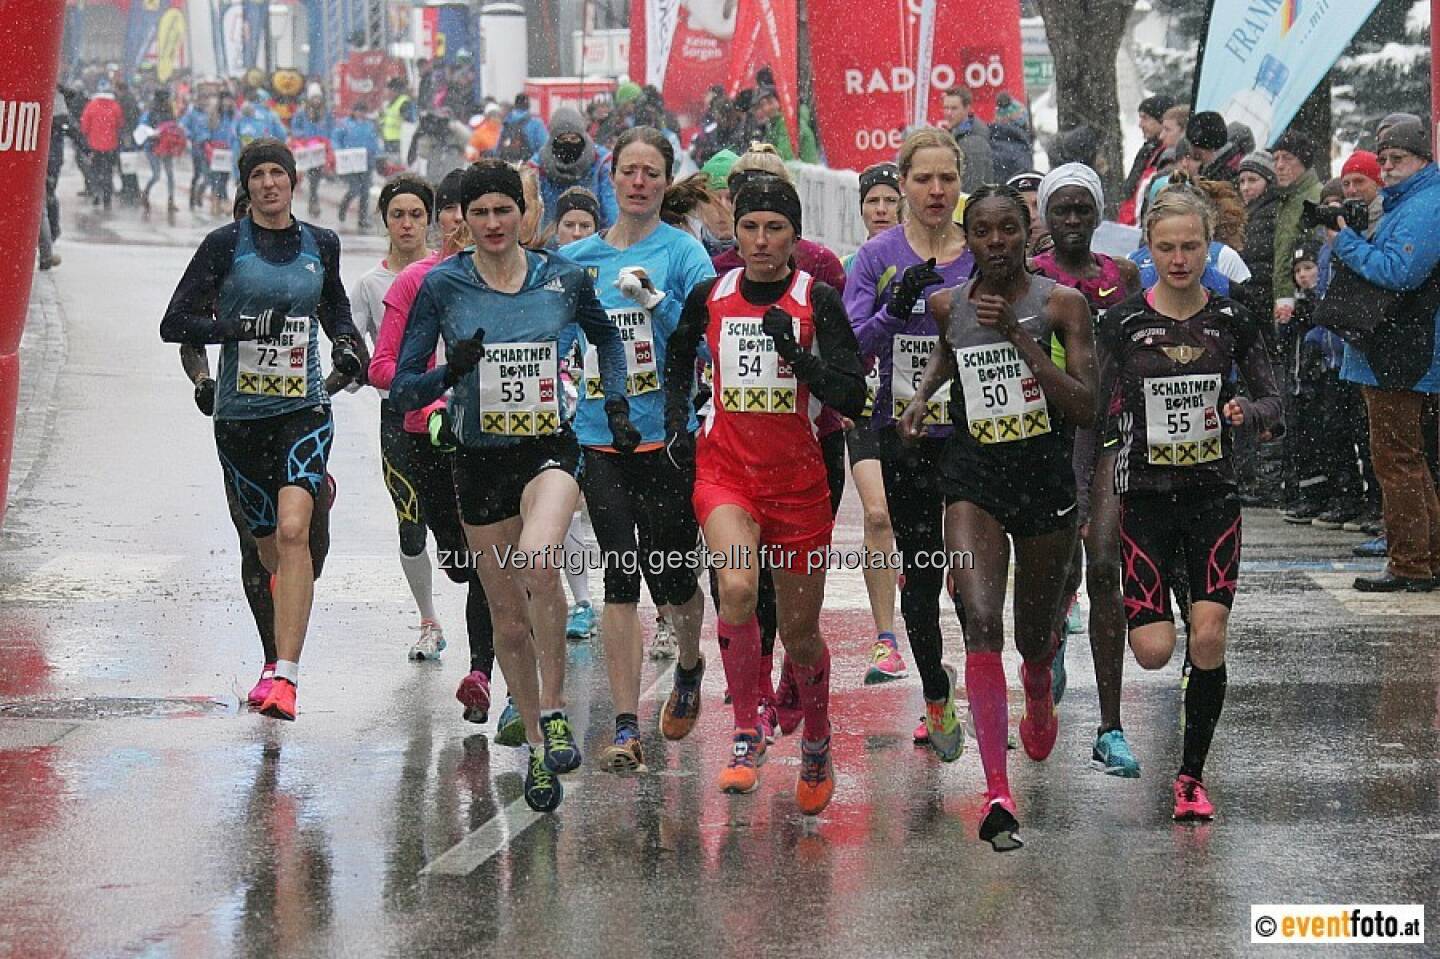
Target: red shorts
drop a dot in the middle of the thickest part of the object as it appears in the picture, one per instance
(794, 526)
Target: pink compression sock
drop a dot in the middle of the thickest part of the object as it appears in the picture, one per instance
(766, 677)
(814, 683)
(740, 652)
(985, 686)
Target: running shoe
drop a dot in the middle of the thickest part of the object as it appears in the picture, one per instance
(280, 704)
(1376, 548)
(788, 713)
(562, 753)
(543, 789)
(921, 735)
(886, 663)
(663, 646)
(1039, 725)
(1000, 828)
(1112, 756)
(817, 778)
(682, 706)
(261, 690)
(1191, 801)
(1058, 678)
(511, 730)
(945, 731)
(624, 754)
(1075, 616)
(430, 644)
(580, 624)
(742, 774)
(474, 695)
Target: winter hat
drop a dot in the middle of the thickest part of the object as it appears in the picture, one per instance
(1070, 174)
(448, 192)
(1407, 136)
(1364, 163)
(1156, 106)
(771, 195)
(564, 163)
(1027, 182)
(266, 150)
(717, 168)
(1007, 110)
(1297, 143)
(627, 92)
(881, 174)
(1391, 119)
(1241, 135)
(1261, 162)
(1307, 252)
(1207, 131)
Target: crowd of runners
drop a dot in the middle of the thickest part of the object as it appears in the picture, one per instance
(991, 380)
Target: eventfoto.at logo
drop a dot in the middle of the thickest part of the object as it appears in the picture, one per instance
(19, 126)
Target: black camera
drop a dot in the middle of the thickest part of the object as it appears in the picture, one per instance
(1355, 212)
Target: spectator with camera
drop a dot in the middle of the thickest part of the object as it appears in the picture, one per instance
(1385, 299)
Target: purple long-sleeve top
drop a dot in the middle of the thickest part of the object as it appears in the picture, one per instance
(877, 265)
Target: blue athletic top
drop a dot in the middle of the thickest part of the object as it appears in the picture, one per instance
(514, 394)
(1212, 279)
(675, 262)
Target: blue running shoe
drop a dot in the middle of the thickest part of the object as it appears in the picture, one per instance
(1075, 618)
(1057, 673)
(543, 790)
(580, 624)
(1113, 757)
(511, 731)
(1376, 548)
(562, 753)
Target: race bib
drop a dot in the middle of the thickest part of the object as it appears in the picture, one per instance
(641, 374)
(276, 366)
(351, 160)
(908, 356)
(872, 386)
(753, 377)
(1182, 419)
(518, 389)
(1003, 399)
(221, 161)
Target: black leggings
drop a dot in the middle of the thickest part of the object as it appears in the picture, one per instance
(917, 514)
(832, 448)
(421, 482)
(640, 508)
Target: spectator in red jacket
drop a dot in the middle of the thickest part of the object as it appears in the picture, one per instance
(100, 124)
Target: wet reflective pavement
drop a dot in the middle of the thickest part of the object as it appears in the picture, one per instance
(142, 813)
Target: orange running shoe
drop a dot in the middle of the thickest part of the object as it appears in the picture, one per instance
(817, 778)
(682, 706)
(280, 704)
(742, 775)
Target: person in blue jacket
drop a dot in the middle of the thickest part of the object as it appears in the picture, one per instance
(262, 287)
(640, 503)
(522, 134)
(311, 123)
(196, 124)
(354, 132)
(506, 314)
(1397, 372)
(571, 158)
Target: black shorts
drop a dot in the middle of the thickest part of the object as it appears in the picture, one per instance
(1032, 505)
(640, 508)
(1195, 529)
(420, 478)
(490, 481)
(260, 456)
(862, 442)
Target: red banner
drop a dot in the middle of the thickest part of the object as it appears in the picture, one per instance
(766, 34)
(865, 79)
(699, 34)
(29, 60)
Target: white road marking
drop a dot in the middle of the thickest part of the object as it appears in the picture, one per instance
(91, 577)
(1341, 588)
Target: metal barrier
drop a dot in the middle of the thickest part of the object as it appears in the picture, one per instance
(831, 201)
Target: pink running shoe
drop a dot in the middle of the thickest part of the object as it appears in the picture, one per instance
(921, 735)
(474, 695)
(1039, 726)
(1191, 801)
(261, 690)
(886, 663)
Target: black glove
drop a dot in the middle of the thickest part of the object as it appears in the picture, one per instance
(912, 286)
(623, 433)
(205, 396)
(345, 359)
(780, 327)
(680, 447)
(442, 431)
(464, 357)
(265, 325)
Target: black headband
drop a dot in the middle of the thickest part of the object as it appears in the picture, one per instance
(267, 150)
(570, 201)
(481, 179)
(412, 185)
(448, 192)
(881, 174)
(769, 195)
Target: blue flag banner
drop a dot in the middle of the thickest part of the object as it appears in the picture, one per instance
(1262, 58)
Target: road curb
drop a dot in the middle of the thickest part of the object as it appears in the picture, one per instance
(43, 350)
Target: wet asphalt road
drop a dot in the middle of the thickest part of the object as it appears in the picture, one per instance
(381, 824)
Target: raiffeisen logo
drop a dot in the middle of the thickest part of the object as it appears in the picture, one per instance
(19, 126)
(1289, 14)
